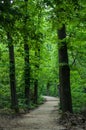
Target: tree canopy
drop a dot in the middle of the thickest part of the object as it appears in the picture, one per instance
(31, 36)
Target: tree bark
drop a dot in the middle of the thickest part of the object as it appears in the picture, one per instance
(48, 89)
(14, 101)
(64, 72)
(26, 58)
(37, 57)
(27, 74)
(36, 91)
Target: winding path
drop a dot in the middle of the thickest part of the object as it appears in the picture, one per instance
(42, 118)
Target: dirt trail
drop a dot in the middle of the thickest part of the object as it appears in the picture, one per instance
(42, 118)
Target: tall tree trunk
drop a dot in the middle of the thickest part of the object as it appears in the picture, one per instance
(26, 58)
(14, 101)
(37, 57)
(27, 74)
(37, 54)
(64, 72)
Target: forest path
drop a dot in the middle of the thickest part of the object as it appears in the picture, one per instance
(43, 118)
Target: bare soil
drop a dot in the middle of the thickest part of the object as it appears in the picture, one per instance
(43, 118)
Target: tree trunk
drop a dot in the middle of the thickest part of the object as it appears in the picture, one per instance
(27, 74)
(48, 89)
(36, 91)
(64, 72)
(14, 101)
(37, 57)
(26, 58)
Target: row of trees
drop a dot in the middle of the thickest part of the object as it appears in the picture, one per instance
(22, 32)
(12, 19)
(30, 30)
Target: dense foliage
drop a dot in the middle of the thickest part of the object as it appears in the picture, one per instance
(35, 24)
